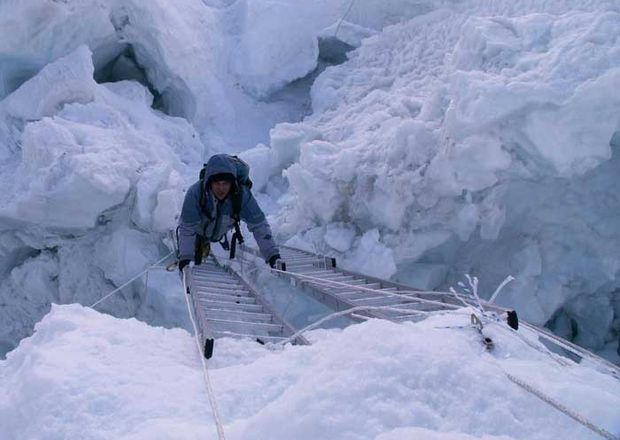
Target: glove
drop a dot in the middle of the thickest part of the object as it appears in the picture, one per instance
(273, 259)
(182, 264)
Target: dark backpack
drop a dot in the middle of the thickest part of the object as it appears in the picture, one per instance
(243, 180)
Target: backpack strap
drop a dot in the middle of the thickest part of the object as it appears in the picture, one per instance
(236, 199)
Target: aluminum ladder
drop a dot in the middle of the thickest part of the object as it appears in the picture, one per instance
(342, 289)
(224, 304)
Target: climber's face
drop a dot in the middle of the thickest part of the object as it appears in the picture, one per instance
(221, 188)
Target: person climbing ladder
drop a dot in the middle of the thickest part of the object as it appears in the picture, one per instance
(214, 205)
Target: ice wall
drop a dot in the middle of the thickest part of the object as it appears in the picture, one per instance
(92, 181)
(465, 137)
(93, 171)
(472, 142)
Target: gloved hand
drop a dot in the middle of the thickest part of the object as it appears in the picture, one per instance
(273, 259)
(182, 264)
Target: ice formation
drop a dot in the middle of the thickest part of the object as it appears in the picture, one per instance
(475, 139)
(450, 138)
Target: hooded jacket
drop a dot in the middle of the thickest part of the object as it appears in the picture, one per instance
(214, 220)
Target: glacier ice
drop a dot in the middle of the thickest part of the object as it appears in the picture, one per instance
(477, 140)
(434, 148)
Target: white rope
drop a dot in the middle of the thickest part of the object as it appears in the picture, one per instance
(572, 414)
(541, 395)
(326, 282)
(346, 312)
(343, 17)
(131, 280)
(212, 401)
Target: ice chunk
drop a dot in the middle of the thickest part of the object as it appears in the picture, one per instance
(339, 236)
(66, 80)
(124, 253)
(263, 165)
(346, 32)
(132, 91)
(371, 257)
(575, 138)
(280, 47)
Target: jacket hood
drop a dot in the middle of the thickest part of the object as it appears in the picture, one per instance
(220, 164)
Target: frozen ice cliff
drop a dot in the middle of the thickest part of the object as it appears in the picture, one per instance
(414, 140)
(482, 138)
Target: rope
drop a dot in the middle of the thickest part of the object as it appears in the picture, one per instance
(346, 312)
(212, 401)
(541, 395)
(573, 415)
(343, 17)
(131, 280)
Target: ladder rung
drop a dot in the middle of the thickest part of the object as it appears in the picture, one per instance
(208, 303)
(226, 294)
(357, 294)
(232, 285)
(215, 289)
(376, 301)
(201, 296)
(243, 335)
(261, 328)
(373, 286)
(237, 315)
(216, 278)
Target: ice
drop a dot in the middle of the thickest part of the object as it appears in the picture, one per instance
(262, 62)
(69, 79)
(437, 139)
(476, 141)
(99, 180)
(340, 236)
(124, 253)
(370, 256)
(37, 33)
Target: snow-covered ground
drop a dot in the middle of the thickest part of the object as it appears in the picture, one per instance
(417, 140)
(87, 375)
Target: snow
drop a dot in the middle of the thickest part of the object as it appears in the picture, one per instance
(412, 140)
(89, 375)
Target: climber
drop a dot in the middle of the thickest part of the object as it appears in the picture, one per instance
(214, 205)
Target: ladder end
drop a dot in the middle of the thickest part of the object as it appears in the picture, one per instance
(208, 348)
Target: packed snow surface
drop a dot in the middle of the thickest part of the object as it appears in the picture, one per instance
(88, 375)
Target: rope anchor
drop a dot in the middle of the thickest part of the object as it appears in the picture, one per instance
(477, 323)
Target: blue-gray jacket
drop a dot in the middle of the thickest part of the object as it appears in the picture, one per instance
(215, 220)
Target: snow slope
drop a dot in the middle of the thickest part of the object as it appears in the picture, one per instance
(88, 375)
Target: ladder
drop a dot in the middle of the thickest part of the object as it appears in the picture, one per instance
(342, 289)
(224, 304)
